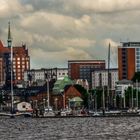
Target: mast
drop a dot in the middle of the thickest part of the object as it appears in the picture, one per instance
(108, 87)
(103, 96)
(9, 41)
(137, 97)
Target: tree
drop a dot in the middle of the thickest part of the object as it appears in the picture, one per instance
(136, 77)
(84, 93)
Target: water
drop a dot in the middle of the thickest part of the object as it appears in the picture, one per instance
(123, 128)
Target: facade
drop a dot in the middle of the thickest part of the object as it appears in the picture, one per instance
(100, 78)
(128, 59)
(35, 75)
(81, 69)
(21, 62)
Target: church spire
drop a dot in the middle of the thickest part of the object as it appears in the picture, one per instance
(9, 40)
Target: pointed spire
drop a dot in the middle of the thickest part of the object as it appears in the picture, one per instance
(9, 40)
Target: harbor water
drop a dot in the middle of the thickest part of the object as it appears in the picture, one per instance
(90, 128)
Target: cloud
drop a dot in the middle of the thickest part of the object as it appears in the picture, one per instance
(58, 30)
(104, 5)
(13, 8)
(48, 59)
(55, 24)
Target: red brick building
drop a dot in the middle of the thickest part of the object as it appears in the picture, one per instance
(81, 69)
(20, 62)
(128, 59)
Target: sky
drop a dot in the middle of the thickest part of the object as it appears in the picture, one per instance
(56, 31)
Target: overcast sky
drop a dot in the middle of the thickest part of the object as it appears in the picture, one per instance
(56, 31)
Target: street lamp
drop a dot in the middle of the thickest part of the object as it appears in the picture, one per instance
(56, 103)
(69, 103)
(44, 103)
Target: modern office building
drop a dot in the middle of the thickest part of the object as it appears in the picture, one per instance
(81, 69)
(128, 59)
(20, 62)
(100, 78)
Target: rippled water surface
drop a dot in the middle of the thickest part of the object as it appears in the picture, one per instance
(123, 128)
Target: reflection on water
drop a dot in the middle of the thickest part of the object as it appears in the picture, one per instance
(70, 128)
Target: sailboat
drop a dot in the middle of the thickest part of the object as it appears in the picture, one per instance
(12, 112)
(48, 111)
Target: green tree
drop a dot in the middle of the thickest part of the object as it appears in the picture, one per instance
(84, 93)
(136, 77)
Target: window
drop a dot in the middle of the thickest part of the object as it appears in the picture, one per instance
(18, 62)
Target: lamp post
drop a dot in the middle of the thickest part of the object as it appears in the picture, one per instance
(132, 98)
(69, 103)
(44, 103)
(137, 97)
(56, 103)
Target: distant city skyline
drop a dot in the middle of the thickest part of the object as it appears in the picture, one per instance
(56, 31)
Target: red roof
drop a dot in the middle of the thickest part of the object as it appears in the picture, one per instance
(18, 49)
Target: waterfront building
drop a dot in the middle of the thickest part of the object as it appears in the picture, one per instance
(64, 99)
(20, 62)
(81, 69)
(100, 78)
(121, 88)
(122, 85)
(38, 75)
(128, 59)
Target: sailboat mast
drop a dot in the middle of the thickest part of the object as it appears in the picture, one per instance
(11, 54)
(108, 88)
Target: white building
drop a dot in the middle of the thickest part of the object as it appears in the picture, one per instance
(122, 85)
(41, 74)
(100, 78)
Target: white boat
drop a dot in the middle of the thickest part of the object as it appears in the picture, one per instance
(63, 113)
(48, 112)
(96, 114)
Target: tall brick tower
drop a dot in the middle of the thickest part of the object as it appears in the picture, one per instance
(20, 62)
(128, 59)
